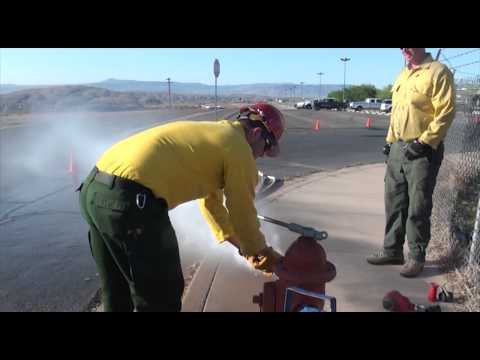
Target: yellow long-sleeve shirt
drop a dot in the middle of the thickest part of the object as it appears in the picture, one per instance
(188, 160)
(423, 104)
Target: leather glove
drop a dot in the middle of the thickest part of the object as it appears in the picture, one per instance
(416, 150)
(265, 260)
(386, 149)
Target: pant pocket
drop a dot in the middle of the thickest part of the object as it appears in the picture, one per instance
(111, 214)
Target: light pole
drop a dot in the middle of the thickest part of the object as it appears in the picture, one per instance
(345, 59)
(301, 90)
(216, 72)
(169, 98)
(320, 87)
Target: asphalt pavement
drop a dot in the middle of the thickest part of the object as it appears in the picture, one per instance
(45, 262)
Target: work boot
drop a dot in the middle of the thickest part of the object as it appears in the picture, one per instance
(381, 258)
(412, 268)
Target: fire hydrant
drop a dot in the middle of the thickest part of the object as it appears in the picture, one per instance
(301, 284)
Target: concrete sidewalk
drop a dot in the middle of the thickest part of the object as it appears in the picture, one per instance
(348, 204)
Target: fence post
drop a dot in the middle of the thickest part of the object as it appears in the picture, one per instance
(475, 247)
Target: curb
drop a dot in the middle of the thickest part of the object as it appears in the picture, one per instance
(196, 296)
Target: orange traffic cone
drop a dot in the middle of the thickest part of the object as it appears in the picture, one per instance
(72, 170)
(71, 165)
(317, 125)
(368, 124)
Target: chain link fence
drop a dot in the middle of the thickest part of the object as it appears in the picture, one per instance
(456, 212)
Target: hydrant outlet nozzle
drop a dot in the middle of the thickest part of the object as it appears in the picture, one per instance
(308, 231)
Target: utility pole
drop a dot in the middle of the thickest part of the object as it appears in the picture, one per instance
(320, 87)
(216, 73)
(345, 59)
(169, 94)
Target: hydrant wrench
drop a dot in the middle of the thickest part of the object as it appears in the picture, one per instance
(296, 228)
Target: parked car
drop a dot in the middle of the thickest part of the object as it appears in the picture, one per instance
(306, 104)
(210, 106)
(368, 104)
(328, 103)
(386, 105)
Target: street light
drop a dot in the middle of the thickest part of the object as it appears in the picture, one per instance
(169, 98)
(301, 90)
(320, 87)
(216, 73)
(344, 75)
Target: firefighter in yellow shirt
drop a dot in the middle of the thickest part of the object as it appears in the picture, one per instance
(423, 108)
(127, 196)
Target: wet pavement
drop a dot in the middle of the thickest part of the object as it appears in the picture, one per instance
(45, 261)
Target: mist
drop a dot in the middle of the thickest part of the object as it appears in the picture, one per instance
(49, 141)
(194, 234)
(53, 143)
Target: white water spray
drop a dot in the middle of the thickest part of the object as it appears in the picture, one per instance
(52, 138)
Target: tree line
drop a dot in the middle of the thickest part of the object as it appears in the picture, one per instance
(361, 92)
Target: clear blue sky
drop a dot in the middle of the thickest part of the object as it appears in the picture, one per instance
(377, 66)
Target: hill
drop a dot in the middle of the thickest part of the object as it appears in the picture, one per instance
(261, 89)
(89, 98)
(122, 95)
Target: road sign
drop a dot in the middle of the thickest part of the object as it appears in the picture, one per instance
(216, 68)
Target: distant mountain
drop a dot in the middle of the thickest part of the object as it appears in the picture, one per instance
(89, 98)
(6, 88)
(120, 95)
(66, 98)
(261, 89)
(152, 86)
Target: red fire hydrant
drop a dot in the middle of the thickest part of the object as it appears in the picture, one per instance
(302, 277)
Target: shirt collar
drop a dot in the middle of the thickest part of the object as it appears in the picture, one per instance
(424, 65)
(427, 62)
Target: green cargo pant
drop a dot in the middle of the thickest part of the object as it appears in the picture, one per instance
(135, 250)
(409, 186)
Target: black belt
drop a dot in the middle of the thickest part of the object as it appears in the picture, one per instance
(118, 182)
(408, 142)
(143, 193)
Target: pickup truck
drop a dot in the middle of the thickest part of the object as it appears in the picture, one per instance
(209, 107)
(368, 104)
(328, 103)
(306, 104)
(386, 106)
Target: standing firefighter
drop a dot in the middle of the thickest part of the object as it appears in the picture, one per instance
(423, 110)
(127, 196)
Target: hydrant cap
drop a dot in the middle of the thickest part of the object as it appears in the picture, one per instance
(305, 255)
(306, 262)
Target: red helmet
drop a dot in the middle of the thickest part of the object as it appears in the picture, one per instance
(271, 118)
